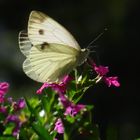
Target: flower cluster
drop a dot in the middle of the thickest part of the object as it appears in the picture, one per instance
(71, 108)
(102, 72)
(9, 109)
(50, 116)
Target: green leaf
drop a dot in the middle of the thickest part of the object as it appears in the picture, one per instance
(45, 103)
(84, 79)
(41, 132)
(70, 119)
(33, 106)
(34, 102)
(29, 106)
(2, 116)
(33, 110)
(9, 128)
(89, 107)
(7, 138)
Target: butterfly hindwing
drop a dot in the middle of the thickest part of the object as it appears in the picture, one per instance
(27, 68)
(24, 43)
(50, 65)
(42, 28)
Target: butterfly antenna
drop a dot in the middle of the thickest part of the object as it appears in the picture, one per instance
(89, 45)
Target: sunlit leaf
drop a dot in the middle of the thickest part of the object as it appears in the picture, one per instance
(41, 131)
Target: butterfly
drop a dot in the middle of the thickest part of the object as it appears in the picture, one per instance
(51, 51)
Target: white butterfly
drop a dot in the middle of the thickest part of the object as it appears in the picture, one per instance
(51, 51)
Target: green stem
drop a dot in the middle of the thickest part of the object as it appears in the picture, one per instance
(76, 78)
(33, 137)
(82, 93)
(66, 136)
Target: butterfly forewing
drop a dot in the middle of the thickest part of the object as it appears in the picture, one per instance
(42, 28)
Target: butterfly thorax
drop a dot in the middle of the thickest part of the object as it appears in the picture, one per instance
(83, 54)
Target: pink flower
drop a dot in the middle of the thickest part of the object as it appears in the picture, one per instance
(20, 104)
(60, 87)
(1, 99)
(102, 72)
(4, 86)
(59, 126)
(74, 109)
(112, 81)
(3, 109)
(70, 108)
(12, 118)
(66, 79)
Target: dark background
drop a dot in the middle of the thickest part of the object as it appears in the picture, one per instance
(118, 48)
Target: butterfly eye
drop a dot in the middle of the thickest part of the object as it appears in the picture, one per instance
(41, 32)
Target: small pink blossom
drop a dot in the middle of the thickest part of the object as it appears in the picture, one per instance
(74, 109)
(59, 126)
(16, 130)
(66, 79)
(57, 87)
(20, 104)
(12, 118)
(10, 99)
(112, 81)
(101, 70)
(4, 86)
(1, 99)
(3, 109)
(60, 87)
(70, 108)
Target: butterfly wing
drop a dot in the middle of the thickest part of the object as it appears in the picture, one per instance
(24, 43)
(42, 28)
(50, 63)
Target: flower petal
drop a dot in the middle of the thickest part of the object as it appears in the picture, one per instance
(59, 126)
(4, 86)
(112, 81)
(101, 70)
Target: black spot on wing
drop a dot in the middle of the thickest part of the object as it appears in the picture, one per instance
(41, 32)
(44, 45)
